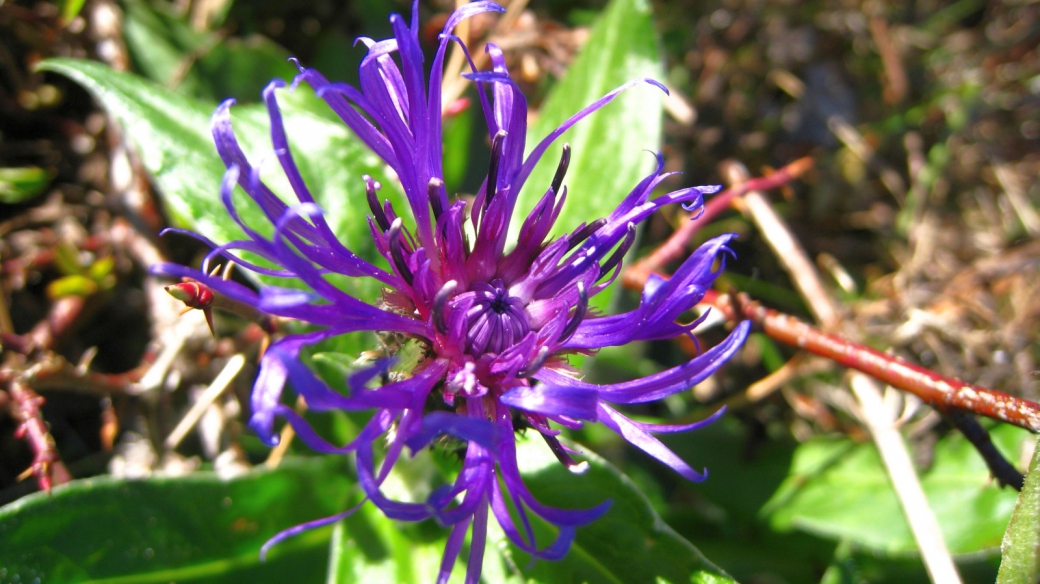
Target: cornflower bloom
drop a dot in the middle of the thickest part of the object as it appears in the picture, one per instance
(496, 325)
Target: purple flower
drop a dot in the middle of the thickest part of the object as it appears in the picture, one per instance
(496, 324)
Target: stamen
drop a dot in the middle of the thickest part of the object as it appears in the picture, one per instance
(561, 170)
(585, 233)
(561, 454)
(371, 187)
(578, 316)
(388, 211)
(536, 363)
(619, 253)
(433, 192)
(394, 240)
(440, 302)
(496, 159)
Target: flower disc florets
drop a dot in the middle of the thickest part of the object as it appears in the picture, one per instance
(497, 322)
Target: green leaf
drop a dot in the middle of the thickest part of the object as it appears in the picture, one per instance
(172, 134)
(70, 9)
(1020, 563)
(242, 67)
(721, 515)
(161, 46)
(205, 65)
(630, 543)
(197, 528)
(839, 489)
(609, 148)
(74, 285)
(368, 547)
(21, 184)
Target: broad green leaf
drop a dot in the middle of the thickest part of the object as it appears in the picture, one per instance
(839, 489)
(21, 184)
(721, 515)
(1020, 563)
(161, 47)
(630, 543)
(609, 149)
(172, 134)
(368, 547)
(197, 528)
(242, 67)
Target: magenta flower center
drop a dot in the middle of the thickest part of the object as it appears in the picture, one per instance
(496, 320)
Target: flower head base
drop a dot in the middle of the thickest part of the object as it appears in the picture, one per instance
(496, 325)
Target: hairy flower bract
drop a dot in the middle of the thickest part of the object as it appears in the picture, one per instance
(496, 319)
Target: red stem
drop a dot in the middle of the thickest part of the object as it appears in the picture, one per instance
(675, 247)
(47, 465)
(943, 393)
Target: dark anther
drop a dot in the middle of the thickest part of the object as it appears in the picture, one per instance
(394, 240)
(536, 364)
(578, 316)
(615, 258)
(373, 203)
(433, 191)
(561, 170)
(440, 303)
(496, 158)
(561, 453)
(585, 232)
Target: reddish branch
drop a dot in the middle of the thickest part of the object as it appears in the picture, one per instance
(52, 372)
(24, 404)
(944, 393)
(675, 247)
(59, 324)
(25, 409)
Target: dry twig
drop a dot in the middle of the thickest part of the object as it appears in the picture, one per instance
(223, 380)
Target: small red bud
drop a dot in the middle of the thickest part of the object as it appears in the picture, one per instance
(193, 294)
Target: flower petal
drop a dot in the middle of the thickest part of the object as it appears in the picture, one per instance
(665, 383)
(464, 428)
(574, 402)
(647, 443)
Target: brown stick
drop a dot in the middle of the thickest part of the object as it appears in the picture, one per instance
(943, 393)
(895, 80)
